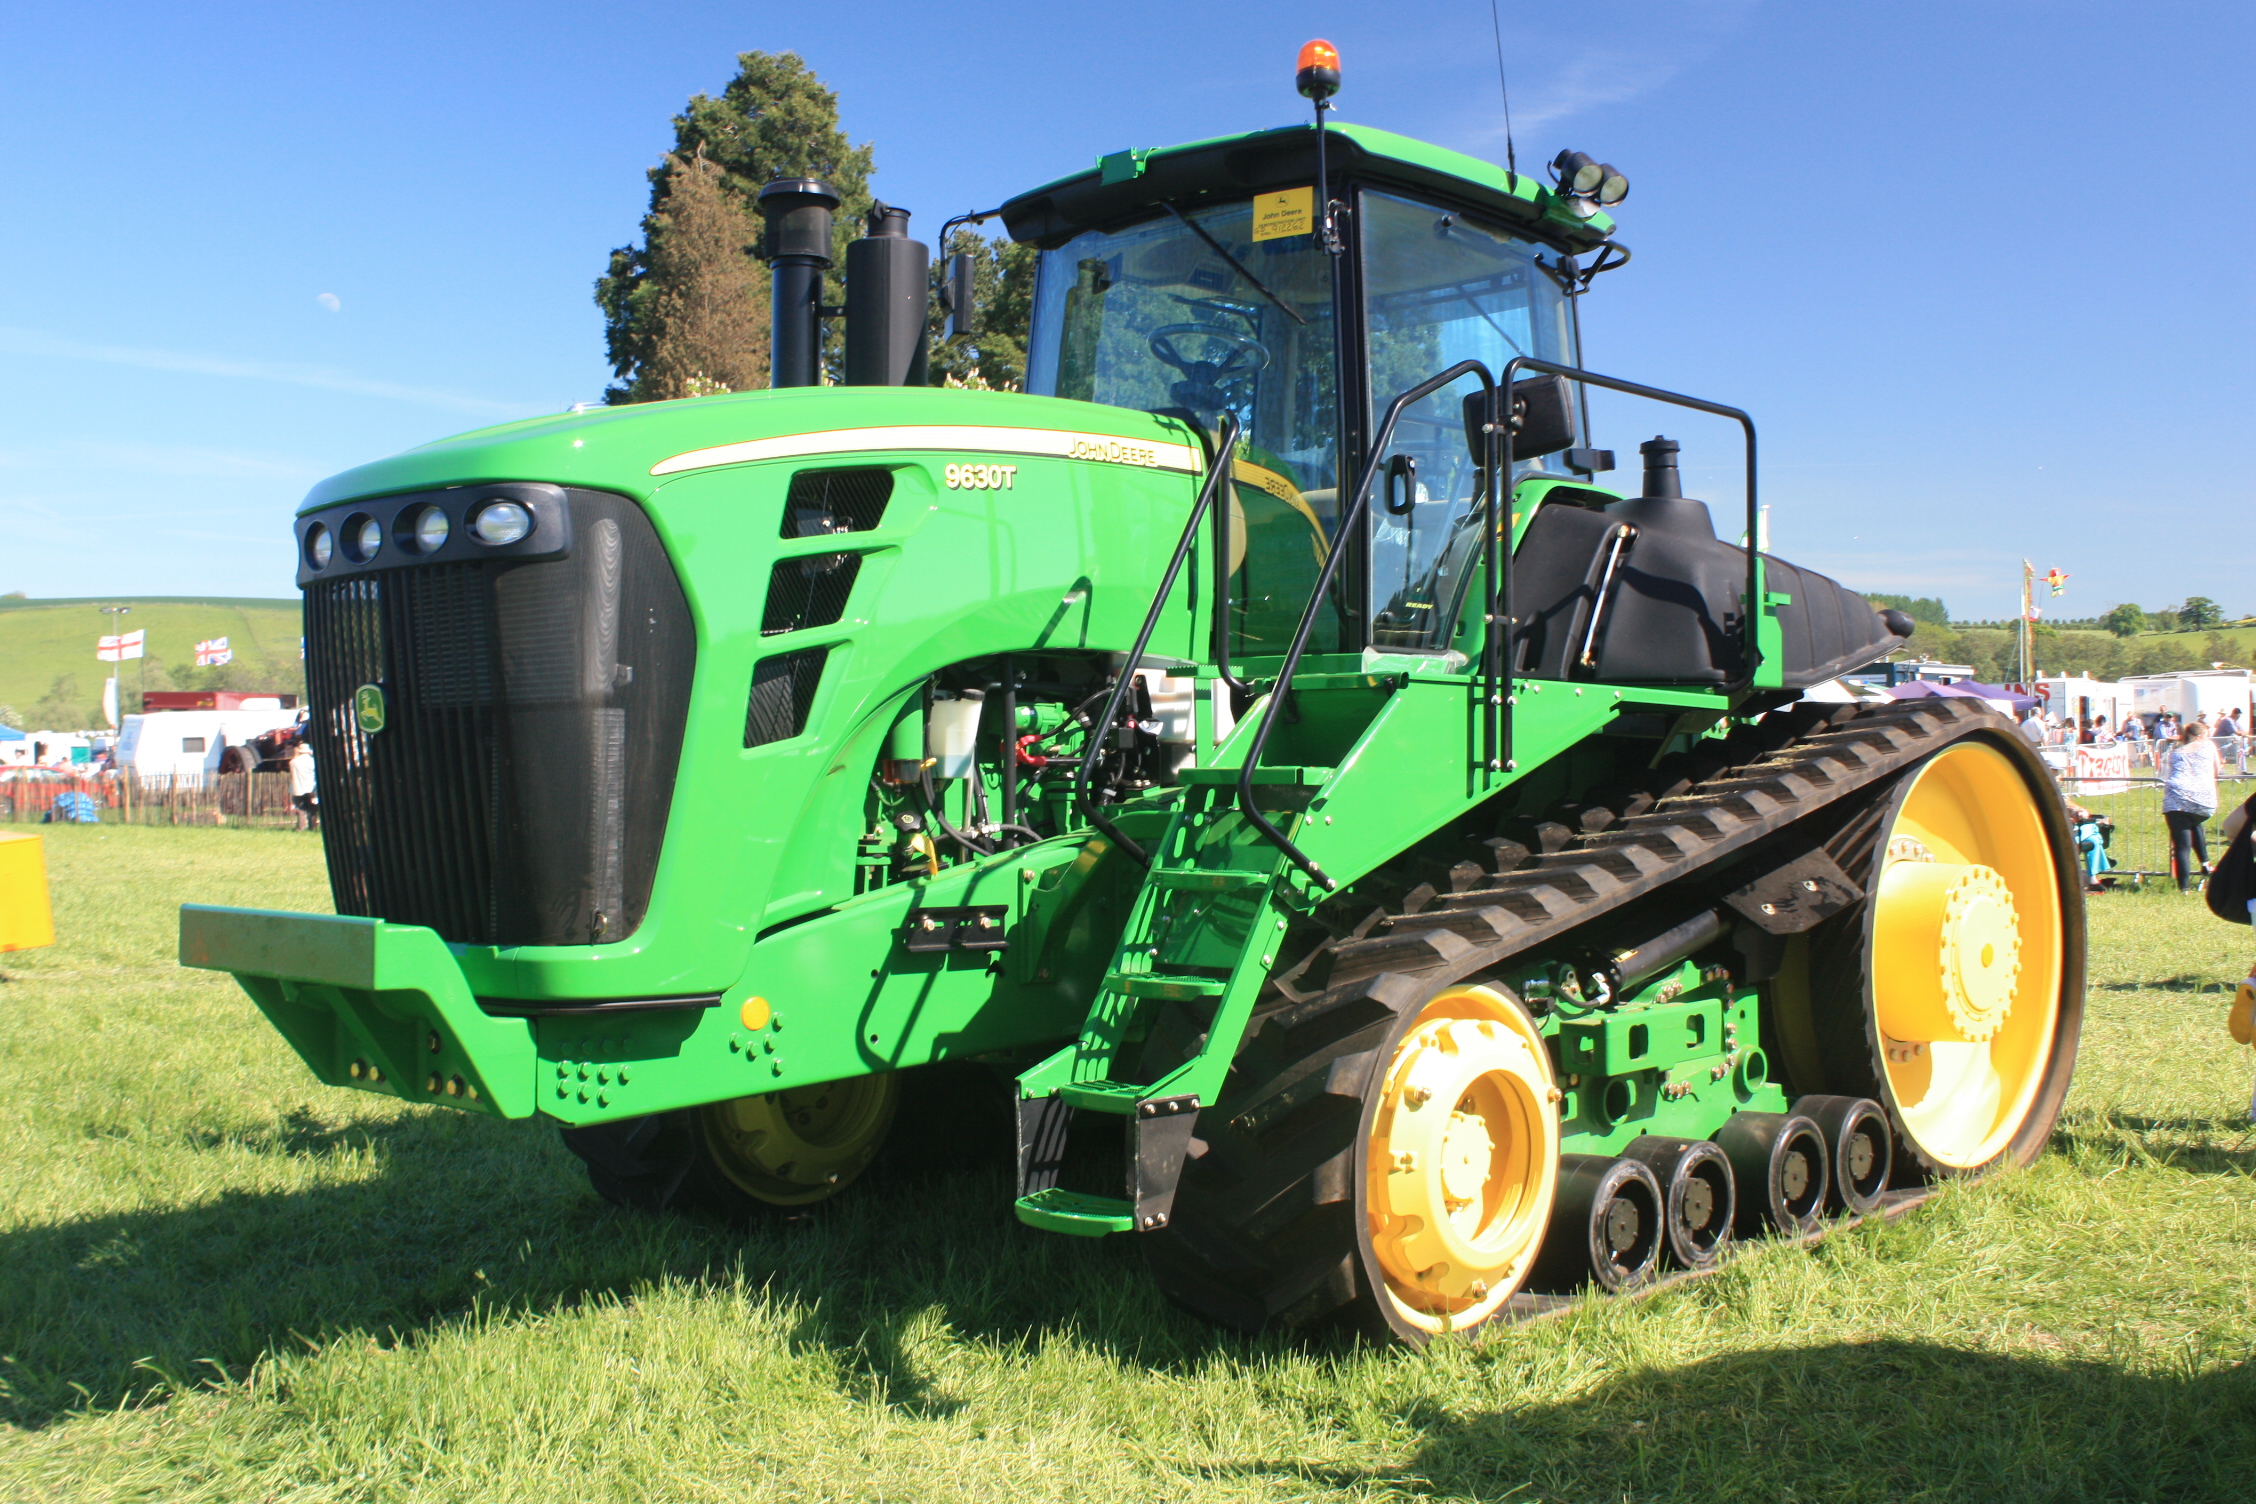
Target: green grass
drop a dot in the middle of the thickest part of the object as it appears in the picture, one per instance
(219, 1281)
(42, 642)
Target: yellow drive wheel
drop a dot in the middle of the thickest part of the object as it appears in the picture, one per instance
(1954, 994)
(1461, 1160)
(793, 1148)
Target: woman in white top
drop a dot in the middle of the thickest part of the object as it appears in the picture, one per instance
(2189, 801)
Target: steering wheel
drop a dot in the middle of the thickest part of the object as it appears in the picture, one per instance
(1246, 354)
(1206, 384)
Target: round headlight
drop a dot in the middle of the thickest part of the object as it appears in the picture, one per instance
(320, 547)
(366, 535)
(500, 522)
(430, 530)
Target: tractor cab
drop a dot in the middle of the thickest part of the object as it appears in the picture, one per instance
(1197, 282)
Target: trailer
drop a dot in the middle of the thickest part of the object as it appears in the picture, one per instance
(2188, 693)
(170, 744)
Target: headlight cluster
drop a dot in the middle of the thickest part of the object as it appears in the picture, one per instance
(419, 530)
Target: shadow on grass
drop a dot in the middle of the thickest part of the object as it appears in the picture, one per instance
(2184, 981)
(2196, 1145)
(1871, 1421)
(434, 1213)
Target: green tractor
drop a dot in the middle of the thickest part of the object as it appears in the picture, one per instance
(1360, 854)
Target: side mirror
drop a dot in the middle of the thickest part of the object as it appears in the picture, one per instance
(1542, 418)
(956, 296)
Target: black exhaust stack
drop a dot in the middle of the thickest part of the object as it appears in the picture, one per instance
(1661, 478)
(888, 299)
(798, 212)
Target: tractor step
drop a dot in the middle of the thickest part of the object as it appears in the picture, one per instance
(1163, 985)
(1075, 1213)
(1117, 1097)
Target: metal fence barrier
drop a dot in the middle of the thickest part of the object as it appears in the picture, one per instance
(2138, 848)
(254, 799)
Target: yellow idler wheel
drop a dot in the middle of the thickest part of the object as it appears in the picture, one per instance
(793, 1148)
(1967, 955)
(1462, 1159)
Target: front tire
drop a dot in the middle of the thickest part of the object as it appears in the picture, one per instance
(1389, 1158)
(744, 1158)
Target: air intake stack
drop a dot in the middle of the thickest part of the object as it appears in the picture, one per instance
(798, 212)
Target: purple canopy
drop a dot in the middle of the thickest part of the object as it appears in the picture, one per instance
(1922, 689)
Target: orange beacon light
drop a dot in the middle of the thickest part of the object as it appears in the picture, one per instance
(1319, 76)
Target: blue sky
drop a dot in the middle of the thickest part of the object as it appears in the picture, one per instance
(1980, 270)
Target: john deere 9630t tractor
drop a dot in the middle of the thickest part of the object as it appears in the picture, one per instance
(1267, 744)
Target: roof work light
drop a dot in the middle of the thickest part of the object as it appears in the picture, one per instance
(1586, 184)
(1319, 75)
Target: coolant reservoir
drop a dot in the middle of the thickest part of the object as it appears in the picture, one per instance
(951, 733)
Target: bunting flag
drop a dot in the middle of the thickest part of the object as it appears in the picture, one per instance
(118, 649)
(212, 652)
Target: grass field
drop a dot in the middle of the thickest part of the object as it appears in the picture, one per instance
(40, 643)
(220, 1281)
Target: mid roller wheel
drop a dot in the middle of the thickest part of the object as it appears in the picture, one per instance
(1953, 995)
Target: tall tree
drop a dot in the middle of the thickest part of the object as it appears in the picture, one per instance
(2199, 611)
(775, 119)
(2125, 620)
(703, 306)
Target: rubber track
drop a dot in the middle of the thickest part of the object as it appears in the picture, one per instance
(1264, 1230)
(1454, 935)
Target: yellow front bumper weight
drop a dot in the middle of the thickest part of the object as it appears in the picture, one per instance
(1946, 947)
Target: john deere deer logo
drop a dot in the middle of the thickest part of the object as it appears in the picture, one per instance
(368, 708)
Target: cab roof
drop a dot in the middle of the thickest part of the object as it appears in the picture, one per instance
(1124, 184)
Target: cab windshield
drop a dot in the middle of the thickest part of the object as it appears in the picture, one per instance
(1441, 287)
(1204, 314)
(1219, 310)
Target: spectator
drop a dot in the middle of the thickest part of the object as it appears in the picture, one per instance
(2232, 738)
(2092, 833)
(2134, 732)
(2189, 801)
(2100, 734)
(2033, 727)
(302, 791)
(2241, 1018)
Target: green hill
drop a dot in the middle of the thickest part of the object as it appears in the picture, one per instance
(49, 675)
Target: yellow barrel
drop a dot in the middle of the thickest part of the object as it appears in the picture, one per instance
(25, 918)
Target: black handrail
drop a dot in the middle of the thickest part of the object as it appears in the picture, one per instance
(1500, 620)
(1341, 544)
(1216, 470)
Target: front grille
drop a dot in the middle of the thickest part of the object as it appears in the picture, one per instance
(517, 791)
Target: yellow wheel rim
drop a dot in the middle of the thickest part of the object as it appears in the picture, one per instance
(1463, 1159)
(1967, 955)
(792, 1148)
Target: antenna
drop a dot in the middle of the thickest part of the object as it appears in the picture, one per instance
(1511, 158)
